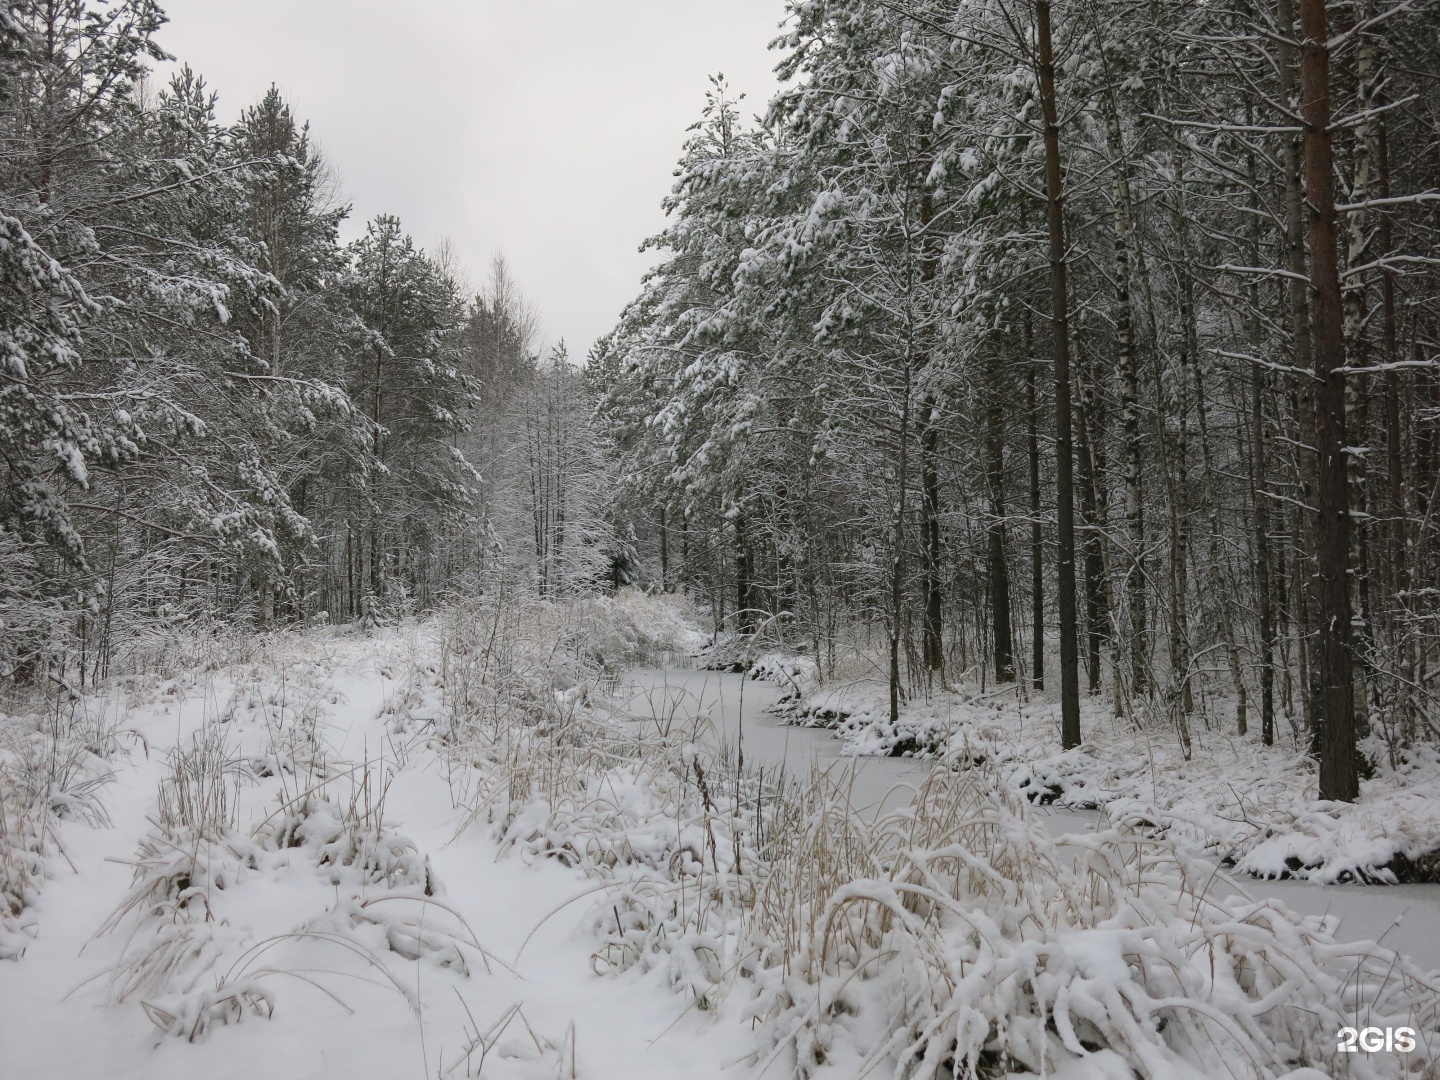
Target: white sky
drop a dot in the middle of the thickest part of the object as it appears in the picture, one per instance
(546, 129)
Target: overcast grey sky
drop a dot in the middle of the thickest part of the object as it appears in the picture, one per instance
(546, 129)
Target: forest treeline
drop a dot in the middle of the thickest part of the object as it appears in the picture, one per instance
(1108, 325)
(1090, 348)
(212, 409)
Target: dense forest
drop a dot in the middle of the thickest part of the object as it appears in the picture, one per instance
(1111, 328)
(212, 409)
(1086, 350)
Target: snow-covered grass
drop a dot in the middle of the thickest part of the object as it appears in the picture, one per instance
(977, 945)
(1250, 805)
(54, 764)
(192, 954)
(950, 937)
(247, 867)
(370, 852)
(954, 936)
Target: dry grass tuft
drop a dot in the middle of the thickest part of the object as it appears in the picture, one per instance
(54, 765)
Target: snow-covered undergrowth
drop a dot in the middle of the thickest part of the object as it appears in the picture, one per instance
(54, 762)
(194, 952)
(979, 946)
(1250, 805)
(267, 873)
(952, 937)
(269, 885)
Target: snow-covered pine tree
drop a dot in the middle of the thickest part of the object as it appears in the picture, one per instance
(317, 442)
(405, 372)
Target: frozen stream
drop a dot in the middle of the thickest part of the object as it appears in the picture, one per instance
(1407, 917)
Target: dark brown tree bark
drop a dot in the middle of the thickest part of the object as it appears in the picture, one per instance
(1335, 707)
(1060, 332)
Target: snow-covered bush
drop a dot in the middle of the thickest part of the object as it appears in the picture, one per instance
(191, 1016)
(23, 836)
(411, 925)
(351, 843)
(186, 958)
(504, 657)
(799, 676)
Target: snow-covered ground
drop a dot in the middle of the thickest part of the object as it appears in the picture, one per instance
(1404, 917)
(383, 958)
(445, 849)
(1250, 805)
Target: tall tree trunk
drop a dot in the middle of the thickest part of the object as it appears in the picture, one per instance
(1339, 777)
(1179, 490)
(1260, 497)
(1302, 386)
(1060, 332)
(1357, 400)
(934, 629)
(1037, 538)
(1259, 490)
(897, 559)
(1135, 573)
(999, 573)
(1399, 579)
(934, 638)
(1086, 443)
